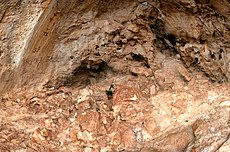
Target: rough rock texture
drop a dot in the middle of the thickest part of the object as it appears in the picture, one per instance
(66, 42)
(192, 118)
(97, 75)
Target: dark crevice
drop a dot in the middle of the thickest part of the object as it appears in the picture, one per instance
(202, 41)
(220, 56)
(171, 38)
(212, 55)
(220, 53)
(134, 74)
(86, 74)
(196, 61)
(164, 40)
(158, 27)
(140, 58)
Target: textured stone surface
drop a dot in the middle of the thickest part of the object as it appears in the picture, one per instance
(75, 43)
(101, 76)
(193, 118)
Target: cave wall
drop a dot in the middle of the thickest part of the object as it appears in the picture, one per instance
(59, 42)
(26, 28)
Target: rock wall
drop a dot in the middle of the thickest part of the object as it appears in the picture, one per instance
(97, 75)
(58, 42)
(30, 24)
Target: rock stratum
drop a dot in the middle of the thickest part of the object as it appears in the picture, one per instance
(104, 76)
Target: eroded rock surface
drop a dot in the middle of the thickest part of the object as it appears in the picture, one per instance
(143, 75)
(192, 118)
(73, 42)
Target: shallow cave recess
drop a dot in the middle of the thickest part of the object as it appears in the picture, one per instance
(165, 41)
(141, 59)
(88, 73)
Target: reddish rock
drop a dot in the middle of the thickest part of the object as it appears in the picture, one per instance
(37, 136)
(103, 141)
(151, 126)
(129, 139)
(126, 94)
(82, 106)
(118, 126)
(128, 112)
(117, 139)
(56, 99)
(73, 135)
(40, 135)
(73, 51)
(89, 120)
(102, 129)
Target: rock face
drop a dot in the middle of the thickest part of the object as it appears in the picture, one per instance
(97, 75)
(66, 42)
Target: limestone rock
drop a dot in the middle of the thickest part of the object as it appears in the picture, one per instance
(104, 76)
